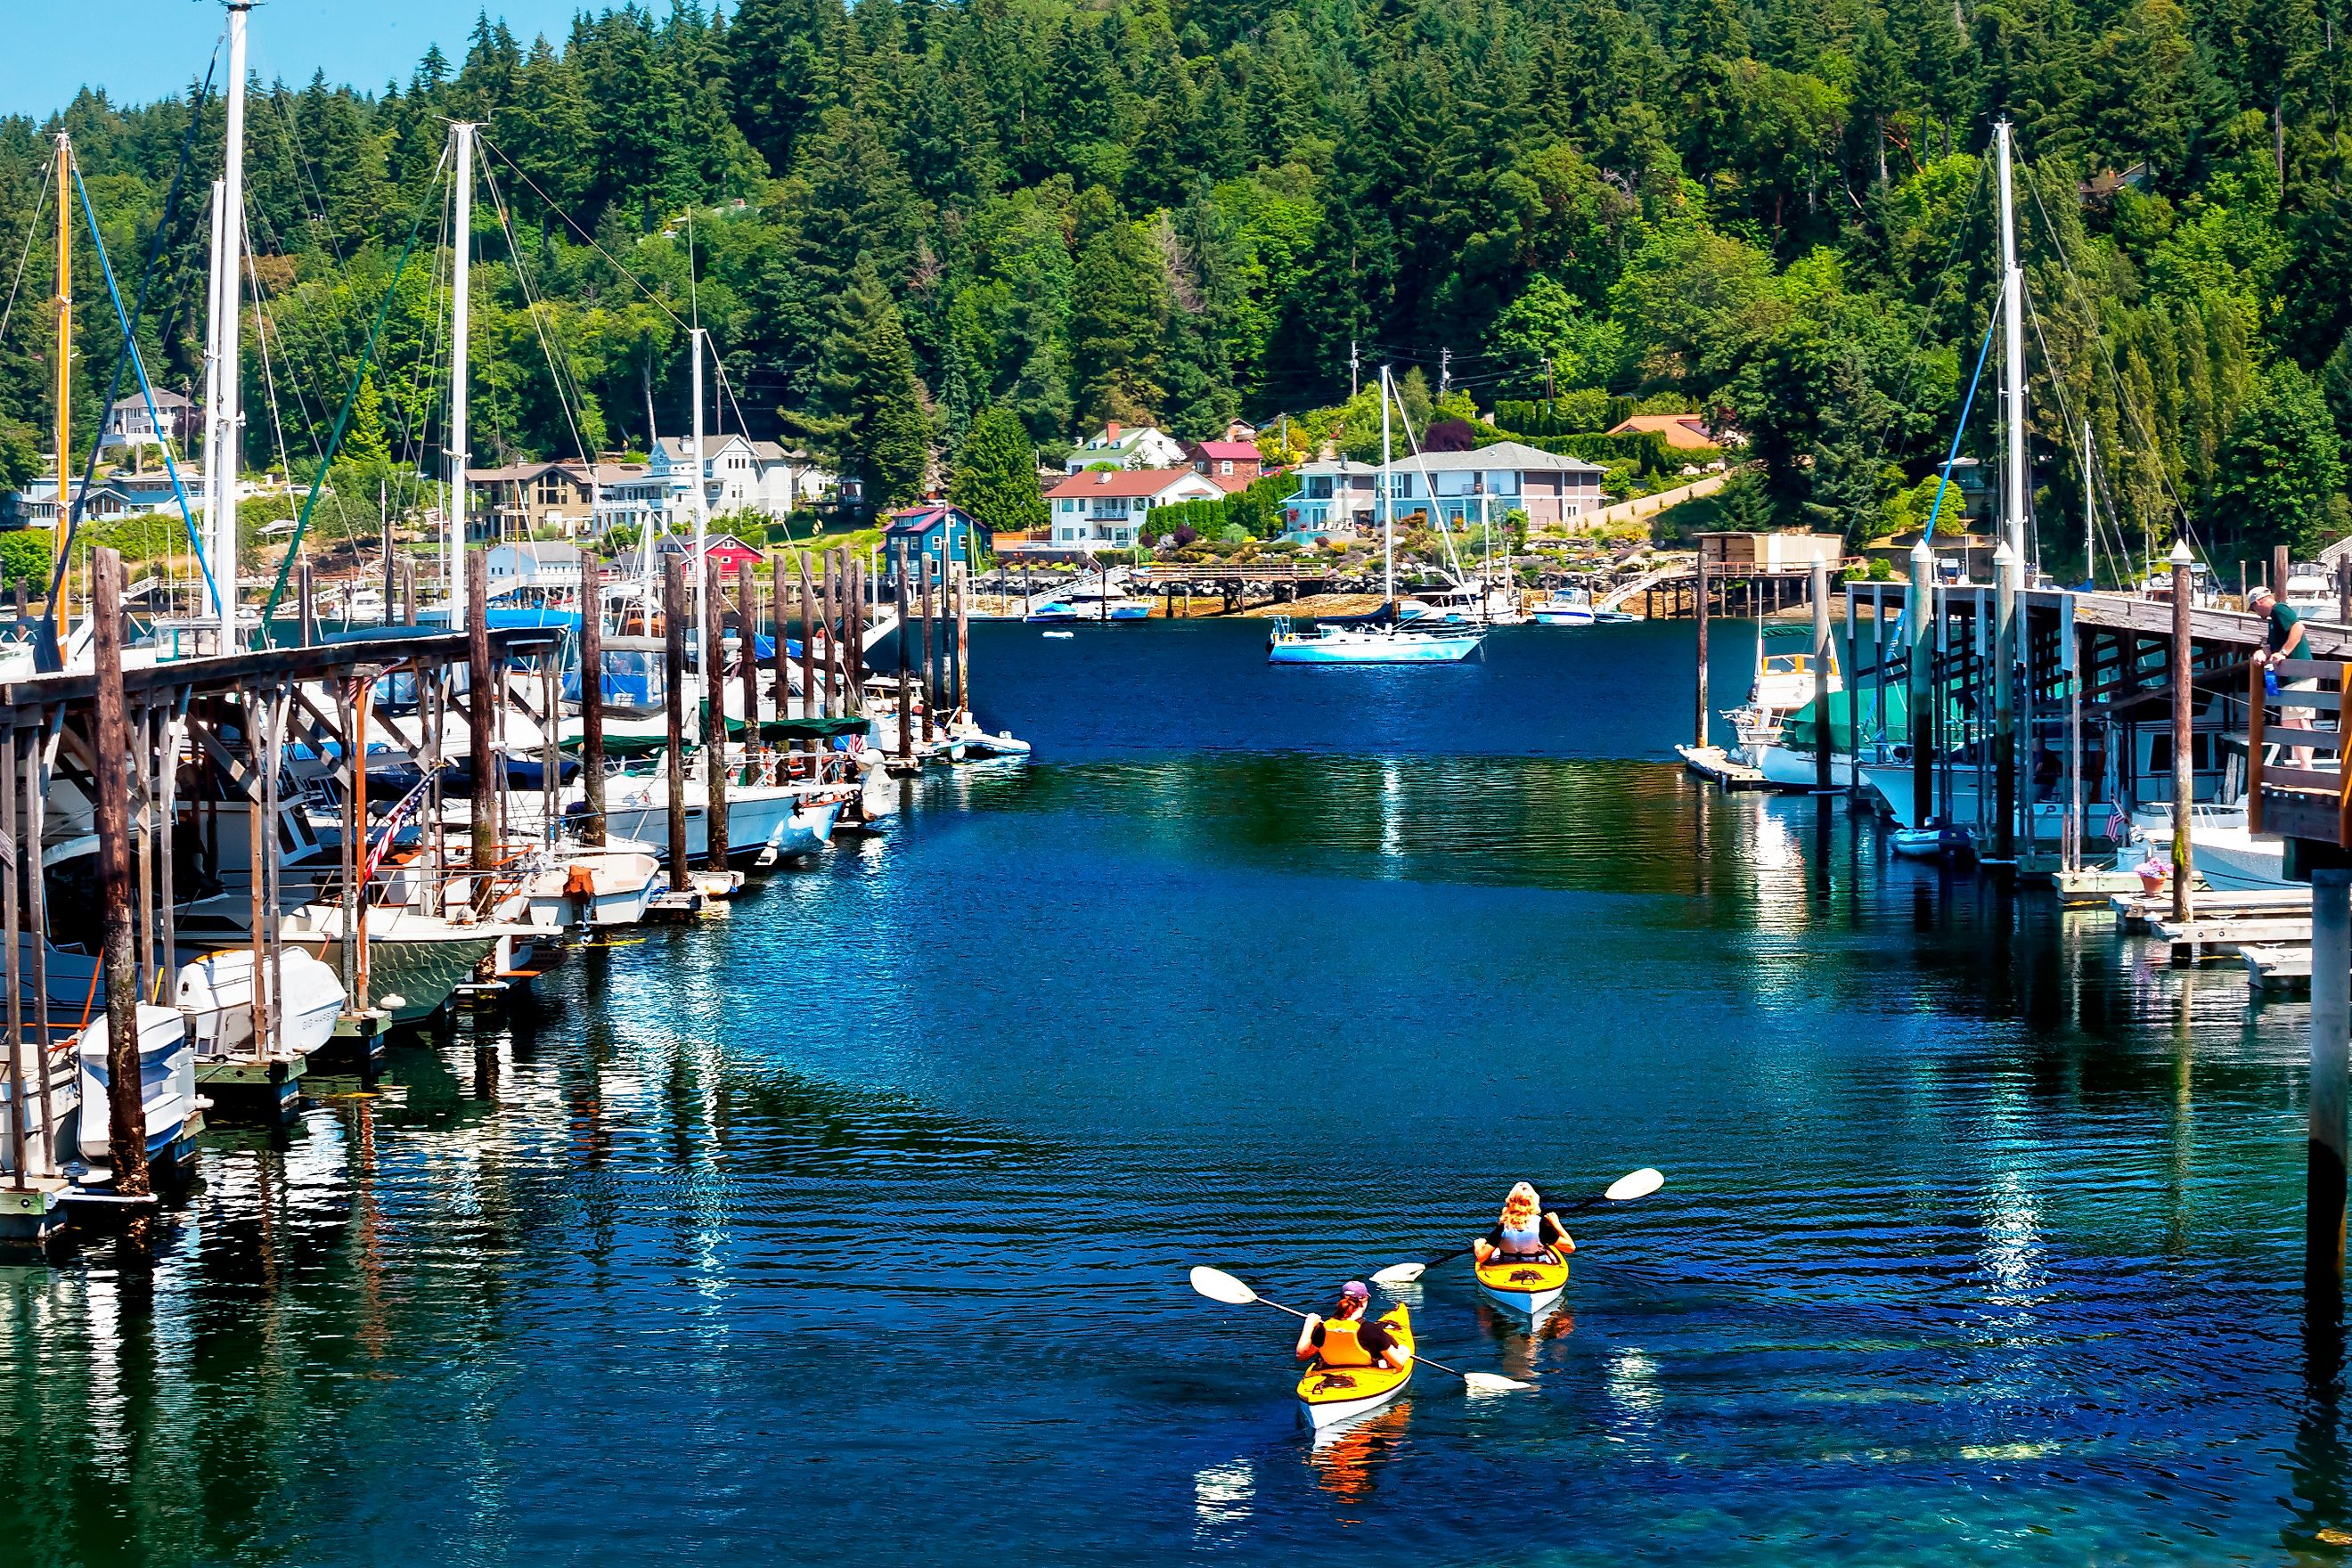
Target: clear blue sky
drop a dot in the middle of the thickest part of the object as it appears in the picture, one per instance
(141, 50)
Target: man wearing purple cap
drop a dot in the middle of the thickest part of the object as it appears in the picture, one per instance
(1346, 1338)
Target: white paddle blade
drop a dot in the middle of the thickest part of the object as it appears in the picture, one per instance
(1397, 1274)
(1219, 1286)
(1641, 1184)
(1489, 1382)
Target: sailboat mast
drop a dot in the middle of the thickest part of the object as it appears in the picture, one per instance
(63, 387)
(462, 275)
(704, 658)
(2012, 305)
(1388, 505)
(2090, 514)
(214, 504)
(228, 422)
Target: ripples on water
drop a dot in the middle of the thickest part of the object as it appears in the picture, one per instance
(854, 1224)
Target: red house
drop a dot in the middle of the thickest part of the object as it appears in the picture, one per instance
(728, 550)
(1232, 464)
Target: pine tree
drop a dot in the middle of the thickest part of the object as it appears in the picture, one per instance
(997, 475)
(868, 417)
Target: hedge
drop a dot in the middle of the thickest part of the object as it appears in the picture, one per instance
(1647, 449)
(1585, 411)
(1257, 511)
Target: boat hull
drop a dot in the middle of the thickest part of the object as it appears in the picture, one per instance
(167, 1072)
(424, 975)
(1401, 648)
(622, 887)
(752, 817)
(1786, 769)
(217, 991)
(1530, 1290)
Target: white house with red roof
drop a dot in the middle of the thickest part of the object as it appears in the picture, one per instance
(1125, 447)
(1106, 508)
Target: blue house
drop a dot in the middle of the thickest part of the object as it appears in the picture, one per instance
(932, 533)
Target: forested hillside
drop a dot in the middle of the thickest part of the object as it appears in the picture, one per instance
(896, 215)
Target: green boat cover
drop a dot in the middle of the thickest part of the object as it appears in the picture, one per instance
(804, 728)
(1798, 729)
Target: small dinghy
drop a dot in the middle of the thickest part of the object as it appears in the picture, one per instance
(1059, 637)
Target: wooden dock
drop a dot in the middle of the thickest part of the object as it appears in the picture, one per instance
(1711, 762)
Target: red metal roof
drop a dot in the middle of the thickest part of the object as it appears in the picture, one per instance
(1121, 483)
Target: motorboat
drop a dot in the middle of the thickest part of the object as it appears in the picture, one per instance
(808, 829)
(167, 1078)
(217, 994)
(1564, 607)
(637, 807)
(1367, 645)
(1050, 612)
(573, 884)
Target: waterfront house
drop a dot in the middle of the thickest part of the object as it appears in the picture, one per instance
(116, 496)
(933, 532)
(127, 423)
(547, 564)
(728, 550)
(1683, 432)
(739, 475)
(1334, 500)
(1106, 508)
(1462, 488)
(521, 500)
(1233, 464)
(1119, 447)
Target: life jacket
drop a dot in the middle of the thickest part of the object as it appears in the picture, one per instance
(1340, 1346)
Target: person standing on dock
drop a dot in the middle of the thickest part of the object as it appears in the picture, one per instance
(2283, 639)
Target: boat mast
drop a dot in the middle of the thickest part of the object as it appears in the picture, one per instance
(454, 523)
(228, 420)
(2012, 305)
(64, 304)
(2090, 513)
(1388, 505)
(703, 657)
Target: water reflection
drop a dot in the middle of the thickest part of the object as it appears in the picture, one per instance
(1347, 1461)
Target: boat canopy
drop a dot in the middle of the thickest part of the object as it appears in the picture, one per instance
(1798, 729)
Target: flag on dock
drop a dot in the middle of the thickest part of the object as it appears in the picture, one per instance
(396, 818)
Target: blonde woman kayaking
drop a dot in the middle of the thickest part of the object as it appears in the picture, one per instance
(1526, 1233)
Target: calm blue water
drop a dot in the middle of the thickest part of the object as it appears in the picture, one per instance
(852, 1226)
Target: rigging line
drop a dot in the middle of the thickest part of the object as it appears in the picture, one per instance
(573, 224)
(32, 232)
(2066, 411)
(2107, 356)
(1960, 429)
(318, 482)
(566, 385)
(46, 638)
(131, 344)
(265, 323)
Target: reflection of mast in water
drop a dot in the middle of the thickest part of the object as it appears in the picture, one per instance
(374, 1335)
(1347, 1460)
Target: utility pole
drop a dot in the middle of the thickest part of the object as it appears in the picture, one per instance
(1444, 371)
(1351, 370)
(1549, 395)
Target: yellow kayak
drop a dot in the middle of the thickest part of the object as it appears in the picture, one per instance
(1528, 1288)
(1330, 1395)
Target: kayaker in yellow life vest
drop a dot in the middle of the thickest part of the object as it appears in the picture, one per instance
(1526, 1233)
(1346, 1338)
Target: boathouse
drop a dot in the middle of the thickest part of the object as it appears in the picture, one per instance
(934, 531)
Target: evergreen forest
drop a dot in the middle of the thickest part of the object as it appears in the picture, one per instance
(897, 215)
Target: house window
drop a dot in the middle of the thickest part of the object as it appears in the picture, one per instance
(1226, 467)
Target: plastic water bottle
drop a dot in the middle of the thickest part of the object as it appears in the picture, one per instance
(2270, 682)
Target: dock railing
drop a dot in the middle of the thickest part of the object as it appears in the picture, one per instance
(2299, 802)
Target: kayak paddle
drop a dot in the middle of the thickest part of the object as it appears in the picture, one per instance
(1633, 1184)
(1219, 1286)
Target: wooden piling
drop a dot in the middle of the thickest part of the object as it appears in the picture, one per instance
(592, 713)
(2070, 667)
(831, 672)
(408, 592)
(2344, 592)
(1919, 609)
(853, 653)
(1825, 745)
(2281, 567)
(929, 671)
(12, 959)
(306, 606)
(781, 651)
(714, 719)
(809, 707)
(963, 639)
(2004, 704)
(2331, 1056)
(905, 640)
(125, 1083)
(1698, 733)
(2184, 718)
(674, 683)
(480, 703)
(746, 620)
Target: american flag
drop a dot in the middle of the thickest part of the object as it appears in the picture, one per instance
(393, 823)
(2117, 824)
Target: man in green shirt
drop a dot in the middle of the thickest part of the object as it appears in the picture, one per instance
(2283, 639)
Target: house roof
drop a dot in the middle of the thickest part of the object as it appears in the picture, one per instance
(1239, 451)
(525, 472)
(545, 553)
(1121, 483)
(1501, 455)
(922, 519)
(1333, 467)
(164, 398)
(1232, 484)
(1685, 430)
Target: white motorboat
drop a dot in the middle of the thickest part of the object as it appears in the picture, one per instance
(217, 994)
(603, 886)
(167, 1076)
(637, 806)
(1564, 607)
(807, 830)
